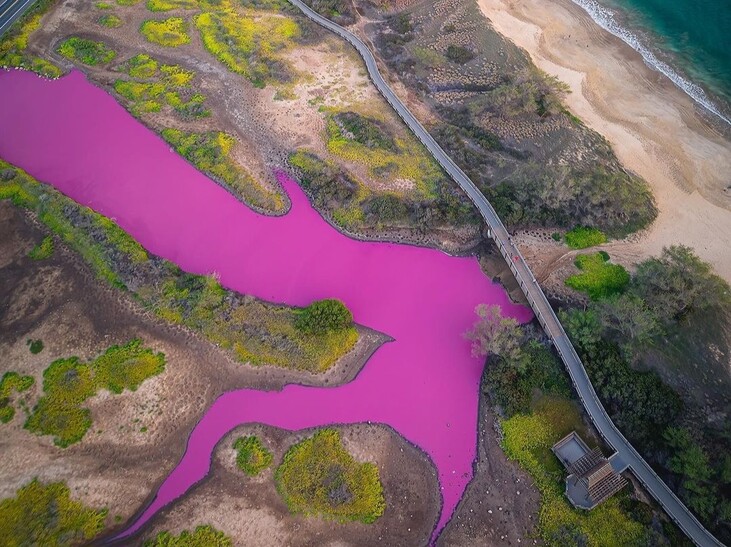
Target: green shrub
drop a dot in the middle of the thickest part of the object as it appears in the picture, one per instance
(366, 131)
(324, 316)
(202, 536)
(110, 21)
(43, 250)
(459, 54)
(582, 237)
(45, 514)
(319, 477)
(35, 346)
(86, 51)
(68, 383)
(252, 457)
(171, 32)
(598, 278)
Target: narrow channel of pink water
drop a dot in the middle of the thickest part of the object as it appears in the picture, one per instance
(74, 136)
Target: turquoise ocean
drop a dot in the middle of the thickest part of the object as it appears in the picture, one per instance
(687, 40)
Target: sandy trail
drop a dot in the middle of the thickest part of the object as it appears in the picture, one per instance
(652, 125)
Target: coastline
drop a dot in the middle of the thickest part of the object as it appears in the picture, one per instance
(653, 126)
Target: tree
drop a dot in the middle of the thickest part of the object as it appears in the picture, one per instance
(678, 282)
(627, 317)
(324, 316)
(494, 334)
(583, 327)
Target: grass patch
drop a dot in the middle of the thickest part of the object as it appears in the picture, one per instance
(253, 331)
(168, 5)
(582, 237)
(43, 250)
(252, 456)
(211, 153)
(45, 514)
(127, 2)
(103, 5)
(202, 536)
(527, 439)
(68, 383)
(110, 21)
(249, 45)
(319, 477)
(598, 278)
(12, 382)
(15, 42)
(171, 32)
(86, 51)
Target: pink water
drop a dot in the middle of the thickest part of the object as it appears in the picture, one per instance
(75, 137)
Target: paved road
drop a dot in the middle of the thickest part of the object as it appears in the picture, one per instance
(543, 311)
(10, 10)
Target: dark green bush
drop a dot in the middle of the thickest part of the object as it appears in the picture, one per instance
(324, 316)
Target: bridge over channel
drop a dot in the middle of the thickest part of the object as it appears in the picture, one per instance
(626, 453)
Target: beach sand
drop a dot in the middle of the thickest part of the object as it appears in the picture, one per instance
(652, 125)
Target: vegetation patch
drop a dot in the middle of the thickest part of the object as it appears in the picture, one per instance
(527, 439)
(110, 21)
(171, 32)
(362, 140)
(253, 331)
(252, 456)
(582, 237)
(43, 250)
(249, 45)
(323, 316)
(15, 42)
(45, 514)
(202, 536)
(88, 52)
(68, 383)
(598, 278)
(168, 5)
(319, 477)
(35, 346)
(157, 85)
(127, 2)
(211, 153)
(458, 54)
(11, 383)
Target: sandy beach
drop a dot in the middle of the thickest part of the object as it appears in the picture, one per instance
(652, 125)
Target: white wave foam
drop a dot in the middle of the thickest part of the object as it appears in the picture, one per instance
(605, 19)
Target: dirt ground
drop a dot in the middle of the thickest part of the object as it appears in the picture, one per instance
(250, 510)
(58, 301)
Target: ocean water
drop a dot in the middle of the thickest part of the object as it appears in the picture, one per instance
(687, 40)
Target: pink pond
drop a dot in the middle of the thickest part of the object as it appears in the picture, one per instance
(75, 137)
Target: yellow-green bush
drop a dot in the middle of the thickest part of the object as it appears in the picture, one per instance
(68, 383)
(598, 278)
(167, 5)
(171, 32)
(110, 21)
(88, 52)
(527, 439)
(248, 45)
(43, 250)
(252, 456)
(319, 477)
(45, 514)
(141, 66)
(15, 42)
(10, 383)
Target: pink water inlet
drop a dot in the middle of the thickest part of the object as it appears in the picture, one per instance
(425, 384)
